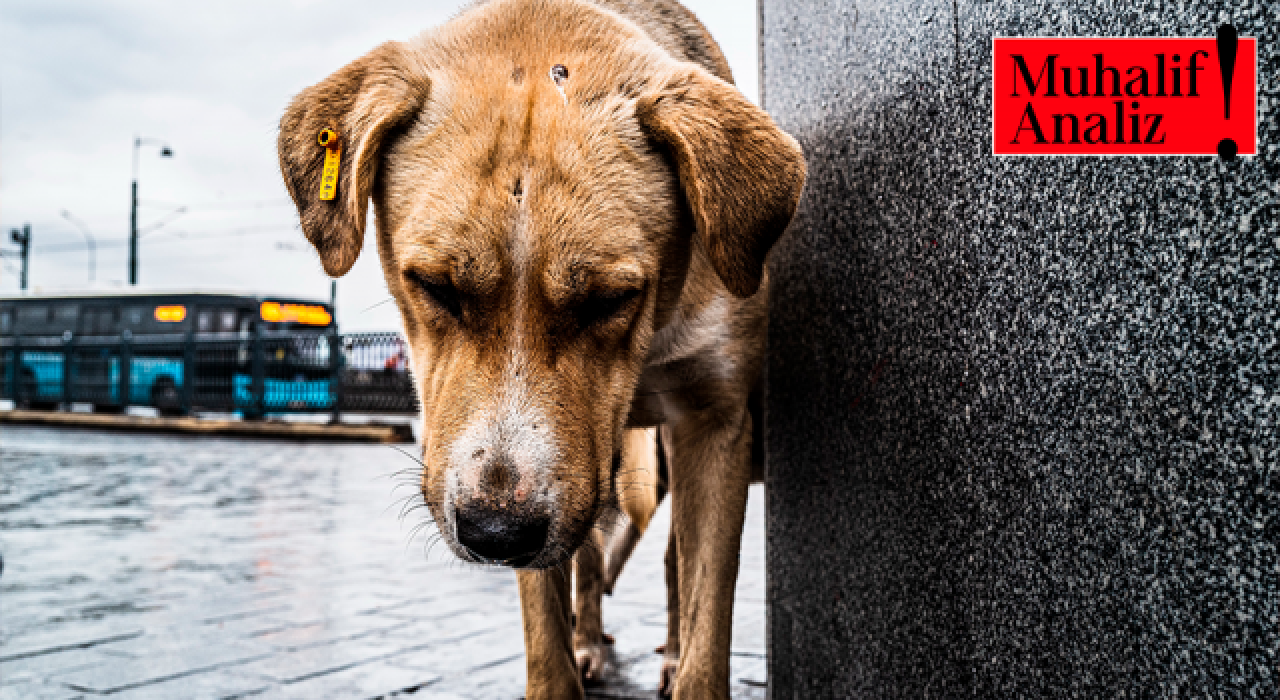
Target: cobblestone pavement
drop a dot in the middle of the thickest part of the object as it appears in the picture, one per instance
(171, 567)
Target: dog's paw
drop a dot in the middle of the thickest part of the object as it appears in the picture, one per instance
(667, 684)
(591, 659)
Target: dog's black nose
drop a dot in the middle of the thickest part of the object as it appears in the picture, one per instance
(512, 537)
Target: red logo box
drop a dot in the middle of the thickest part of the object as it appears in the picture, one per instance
(1131, 96)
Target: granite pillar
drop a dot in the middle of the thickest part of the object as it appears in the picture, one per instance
(1020, 412)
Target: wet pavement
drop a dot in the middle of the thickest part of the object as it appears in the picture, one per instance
(169, 567)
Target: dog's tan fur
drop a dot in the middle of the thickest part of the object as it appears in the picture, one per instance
(570, 258)
(641, 487)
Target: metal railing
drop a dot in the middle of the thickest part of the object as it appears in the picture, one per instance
(255, 372)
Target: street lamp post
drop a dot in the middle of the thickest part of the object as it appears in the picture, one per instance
(165, 152)
(23, 238)
(89, 240)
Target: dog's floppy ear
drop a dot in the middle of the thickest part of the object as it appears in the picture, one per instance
(740, 173)
(362, 102)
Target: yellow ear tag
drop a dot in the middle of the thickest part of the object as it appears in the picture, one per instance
(332, 159)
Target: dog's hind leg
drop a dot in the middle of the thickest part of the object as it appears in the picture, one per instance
(623, 542)
(671, 650)
(642, 484)
(589, 647)
(548, 638)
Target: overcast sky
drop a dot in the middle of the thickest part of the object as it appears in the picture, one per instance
(79, 78)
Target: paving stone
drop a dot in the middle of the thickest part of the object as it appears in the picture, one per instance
(201, 686)
(37, 690)
(634, 667)
(343, 603)
(275, 624)
(444, 606)
(49, 664)
(436, 692)
(468, 654)
(368, 681)
(291, 667)
(329, 632)
(749, 670)
(505, 679)
(245, 628)
(460, 625)
(63, 640)
(189, 640)
(164, 666)
(255, 611)
(749, 630)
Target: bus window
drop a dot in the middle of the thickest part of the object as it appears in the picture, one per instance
(33, 316)
(97, 321)
(227, 320)
(66, 316)
(6, 322)
(204, 322)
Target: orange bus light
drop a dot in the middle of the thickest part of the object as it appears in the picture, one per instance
(306, 314)
(171, 314)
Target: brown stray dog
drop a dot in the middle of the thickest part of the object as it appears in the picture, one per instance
(574, 206)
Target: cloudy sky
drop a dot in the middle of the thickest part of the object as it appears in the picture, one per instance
(80, 78)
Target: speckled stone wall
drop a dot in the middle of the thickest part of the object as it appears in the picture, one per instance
(1021, 413)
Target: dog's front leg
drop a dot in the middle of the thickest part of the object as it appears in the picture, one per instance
(545, 605)
(711, 472)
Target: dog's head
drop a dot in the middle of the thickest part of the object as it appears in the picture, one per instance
(541, 186)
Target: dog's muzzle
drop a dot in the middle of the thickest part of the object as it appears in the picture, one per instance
(509, 536)
(498, 483)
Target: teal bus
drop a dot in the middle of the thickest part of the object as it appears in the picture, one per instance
(174, 351)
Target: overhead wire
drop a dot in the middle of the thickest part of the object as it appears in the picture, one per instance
(180, 237)
(216, 206)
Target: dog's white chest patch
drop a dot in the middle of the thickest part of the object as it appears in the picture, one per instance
(688, 352)
(701, 335)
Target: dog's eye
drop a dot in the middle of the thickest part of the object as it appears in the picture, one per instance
(442, 294)
(603, 306)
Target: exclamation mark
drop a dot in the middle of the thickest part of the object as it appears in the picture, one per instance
(1227, 42)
